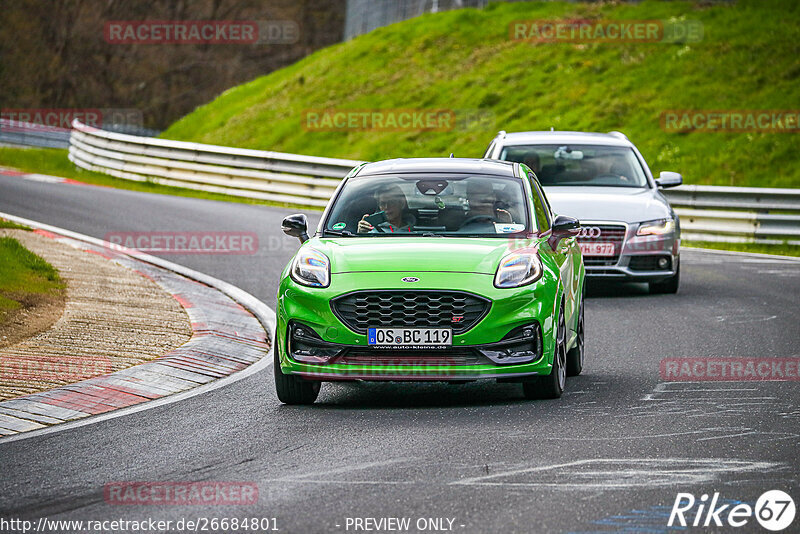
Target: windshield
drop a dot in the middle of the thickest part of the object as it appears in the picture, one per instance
(591, 165)
(467, 205)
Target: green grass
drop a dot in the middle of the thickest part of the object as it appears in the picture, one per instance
(54, 162)
(781, 250)
(749, 58)
(23, 273)
(12, 225)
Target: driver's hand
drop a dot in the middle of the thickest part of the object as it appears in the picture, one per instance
(364, 226)
(502, 216)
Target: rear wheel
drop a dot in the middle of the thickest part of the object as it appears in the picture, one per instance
(292, 389)
(670, 285)
(575, 355)
(552, 385)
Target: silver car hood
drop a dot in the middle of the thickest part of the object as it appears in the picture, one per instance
(627, 204)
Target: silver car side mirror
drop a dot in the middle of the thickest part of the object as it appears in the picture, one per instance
(669, 179)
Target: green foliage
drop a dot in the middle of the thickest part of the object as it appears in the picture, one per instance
(781, 250)
(749, 58)
(22, 273)
(12, 225)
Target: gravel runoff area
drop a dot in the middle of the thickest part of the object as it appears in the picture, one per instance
(114, 318)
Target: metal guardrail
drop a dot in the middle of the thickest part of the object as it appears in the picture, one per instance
(708, 213)
(18, 133)
(259, 174)
(737, 214)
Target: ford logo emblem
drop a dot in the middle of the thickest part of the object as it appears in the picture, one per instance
(410, 279)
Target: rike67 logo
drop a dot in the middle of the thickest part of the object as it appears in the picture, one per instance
(774, 510)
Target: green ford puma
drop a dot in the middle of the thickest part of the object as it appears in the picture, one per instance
(432, 270)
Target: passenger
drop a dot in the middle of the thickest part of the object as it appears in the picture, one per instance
(392, 201)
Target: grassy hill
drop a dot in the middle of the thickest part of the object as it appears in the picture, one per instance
(749, 58)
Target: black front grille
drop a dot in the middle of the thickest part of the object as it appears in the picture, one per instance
(609, 233)
(648, 263)
(410, 309)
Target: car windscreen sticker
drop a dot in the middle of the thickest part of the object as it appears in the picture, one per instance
(505, 228)
(338, 226)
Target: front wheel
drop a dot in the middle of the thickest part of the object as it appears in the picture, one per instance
(552, 385)
(292, 389)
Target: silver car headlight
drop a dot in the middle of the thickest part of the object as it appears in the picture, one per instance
(518, 269)
(311, 267)
(657, 227)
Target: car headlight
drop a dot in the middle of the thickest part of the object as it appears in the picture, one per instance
(518, 269)
(311, 268)
(658, 227)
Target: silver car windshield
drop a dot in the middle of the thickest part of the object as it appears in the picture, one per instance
(430, 205)
(575, 165)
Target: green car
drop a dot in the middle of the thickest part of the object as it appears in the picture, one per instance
(436, 269)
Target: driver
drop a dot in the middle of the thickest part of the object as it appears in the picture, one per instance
(392, 201)
(483, 203)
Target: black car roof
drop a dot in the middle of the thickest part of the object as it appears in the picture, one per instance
(443, 165)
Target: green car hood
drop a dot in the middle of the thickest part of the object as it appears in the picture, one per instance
(416, 254)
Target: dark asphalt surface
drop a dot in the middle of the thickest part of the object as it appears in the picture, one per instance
(610, 456)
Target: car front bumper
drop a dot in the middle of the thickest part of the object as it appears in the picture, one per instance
(638, 260)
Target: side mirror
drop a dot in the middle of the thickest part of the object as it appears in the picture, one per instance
(296, 226)
(669, 179)
(563, 227)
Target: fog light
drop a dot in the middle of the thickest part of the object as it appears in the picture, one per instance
(663, 263)
(306, 346)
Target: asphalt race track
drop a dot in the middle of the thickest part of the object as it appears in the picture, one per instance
(610, 456)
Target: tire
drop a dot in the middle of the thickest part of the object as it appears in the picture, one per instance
(670, 285)
(292, 389)
(552, 385)
(575, 355)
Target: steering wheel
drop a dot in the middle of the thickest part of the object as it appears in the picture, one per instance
(476, 218)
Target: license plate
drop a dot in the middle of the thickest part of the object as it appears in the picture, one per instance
(410, 337)
(597, 249)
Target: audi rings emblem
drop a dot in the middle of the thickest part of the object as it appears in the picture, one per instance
(589, 232)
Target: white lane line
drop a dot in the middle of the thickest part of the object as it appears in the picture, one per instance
(354, 482)
(261, 311)
(668, 435)
(751, 432)
(343, 469)
(647, 472)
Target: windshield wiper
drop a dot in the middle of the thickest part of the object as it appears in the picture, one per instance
(343, 233)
